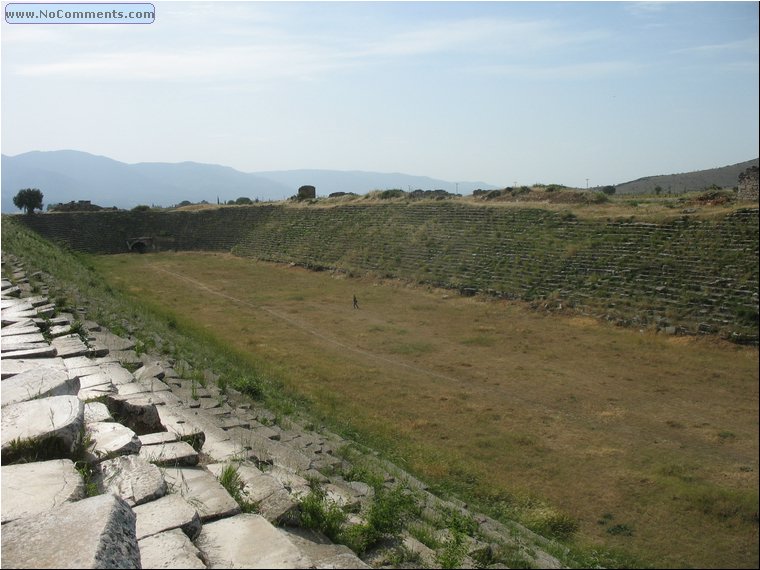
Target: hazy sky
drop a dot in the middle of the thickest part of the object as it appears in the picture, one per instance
(502, 92)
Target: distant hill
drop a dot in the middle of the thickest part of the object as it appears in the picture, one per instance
(329, 181)
(68, 175)
(724, 177)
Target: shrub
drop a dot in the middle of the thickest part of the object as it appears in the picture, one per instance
(393, 193)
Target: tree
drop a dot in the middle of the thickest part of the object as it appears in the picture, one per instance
(29, 199)
(609, 190)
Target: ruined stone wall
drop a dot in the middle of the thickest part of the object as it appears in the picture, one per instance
(688, 275)
(748, 185)
(108, 232)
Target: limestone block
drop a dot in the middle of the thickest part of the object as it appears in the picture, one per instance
(46, 311)
(167, 513)
(9, 342)
(11, 348)
(202, 490)
(112, 341)
(249, 541)
(15, 330)
(60, 330)
(38, 383)
(96, 412)
(44, 351)
(170, 549)
(131, 389)
(57, 421)
(321, 551)
(172, 419)
(274, 502)
(32, 488)
(154, 385)
(172, 454)
(297, 486)
(342, 495)
(427, 555)
(111, 438)
(142, 413)
(95, 380)
(131, 478)
(115, 373)
(126, 357)
(158, 437)
(69, 345)
(13, 367)
(149, 371)
(96, 392)
(98, 532)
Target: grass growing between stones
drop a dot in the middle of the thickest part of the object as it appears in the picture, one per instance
(230, 479)
(383, 519)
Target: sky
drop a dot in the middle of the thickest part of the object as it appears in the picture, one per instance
(573, 93)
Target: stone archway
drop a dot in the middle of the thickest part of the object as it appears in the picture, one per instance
(139, 245)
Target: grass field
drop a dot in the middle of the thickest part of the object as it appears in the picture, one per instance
(648, 442)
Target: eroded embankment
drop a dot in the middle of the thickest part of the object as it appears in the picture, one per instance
(685, 276)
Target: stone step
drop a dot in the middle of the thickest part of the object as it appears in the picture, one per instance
(70, 345)
(199, 487)
(32, 488)
(274, 501)
(110, 438)
(322, 552)
(38, 383)
(170, 454)
(24, 329)
(98, 532)
(169, 512)
(169, 549)
(249, 541)
(43, 351)
(17, 366)
(54, 422)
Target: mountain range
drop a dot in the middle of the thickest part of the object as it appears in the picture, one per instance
(723, 177)
(68, 175)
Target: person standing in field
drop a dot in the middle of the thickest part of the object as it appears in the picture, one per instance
(356, 303)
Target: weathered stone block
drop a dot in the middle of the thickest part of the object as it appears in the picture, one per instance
(249, 541)
(55, 423)
(169, 512)
(111, 438)
(92, 533)
(38, 383)
(32, 488)
(170, 549)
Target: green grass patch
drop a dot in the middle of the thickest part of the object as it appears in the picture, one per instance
(230, 479)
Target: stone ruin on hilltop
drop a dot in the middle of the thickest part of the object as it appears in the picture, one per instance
(748, 189)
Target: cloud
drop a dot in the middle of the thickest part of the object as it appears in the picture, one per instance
(256, 47)
(577, 71)
(243, 63)
(746, 45)
(644, 8)
(482, 35)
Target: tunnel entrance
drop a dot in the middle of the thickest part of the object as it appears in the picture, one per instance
(140, 245)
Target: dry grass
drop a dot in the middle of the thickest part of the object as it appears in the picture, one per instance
(615, 427)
